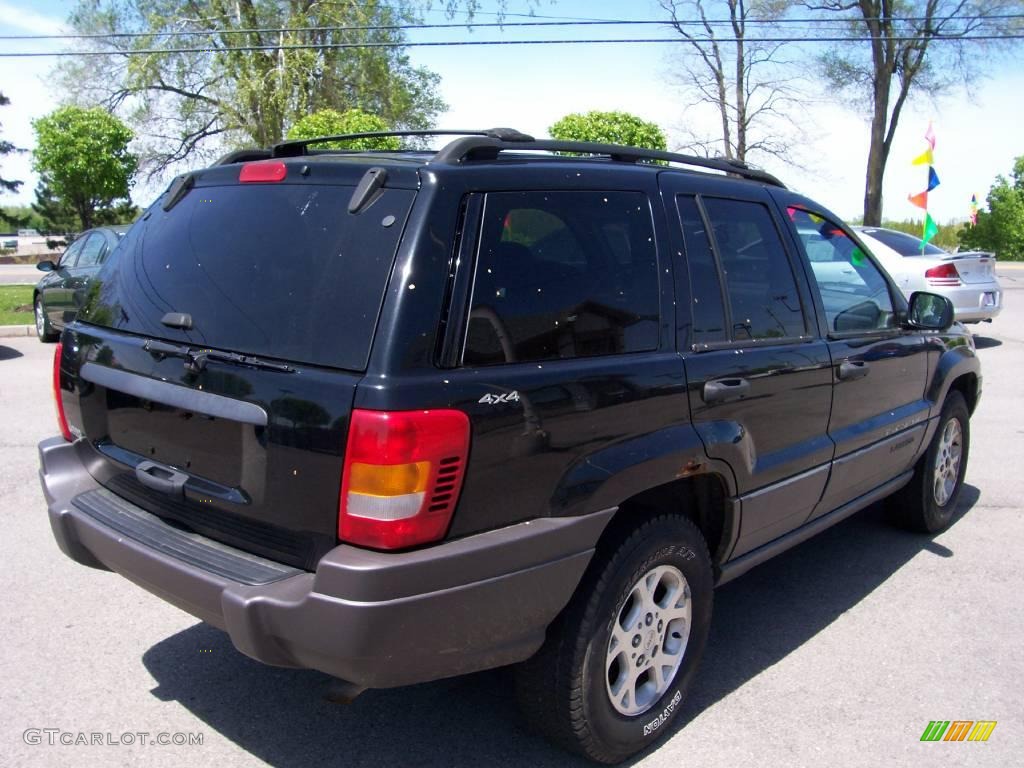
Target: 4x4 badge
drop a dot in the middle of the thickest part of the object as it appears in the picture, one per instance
(508, 397)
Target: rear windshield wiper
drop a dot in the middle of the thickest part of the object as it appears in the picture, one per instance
(195, 359)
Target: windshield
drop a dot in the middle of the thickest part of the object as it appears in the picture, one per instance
(276, 270)
(902, 243)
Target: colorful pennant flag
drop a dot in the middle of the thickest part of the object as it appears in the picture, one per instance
(973, 215)
(930, 228)
(925, 158)
(920, 200)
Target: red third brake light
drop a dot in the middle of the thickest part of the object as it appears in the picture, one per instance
(263, 171)
(943, 275)
(62, 421)
(402, 476)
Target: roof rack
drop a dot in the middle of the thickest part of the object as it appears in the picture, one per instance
(483, 147)
(488, 143)
(297, 147)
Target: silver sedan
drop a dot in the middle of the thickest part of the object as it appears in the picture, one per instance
(968, 279)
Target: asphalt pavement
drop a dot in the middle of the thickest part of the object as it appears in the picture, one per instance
(19, 274)
(836, 653)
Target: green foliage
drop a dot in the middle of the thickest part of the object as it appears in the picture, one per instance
(82, 156)
(609, 128)
(8, 185)
(22, 216)
(55, 216)
(183, 104)
(330, 122)
(1000, 229)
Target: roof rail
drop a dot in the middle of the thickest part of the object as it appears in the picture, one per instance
(243, 156)
(483, 147)
(297, 147)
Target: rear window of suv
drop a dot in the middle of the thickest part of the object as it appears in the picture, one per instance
(275, 270)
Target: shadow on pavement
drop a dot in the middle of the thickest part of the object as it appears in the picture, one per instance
(9, 353)
(281, 717)
(986, 342)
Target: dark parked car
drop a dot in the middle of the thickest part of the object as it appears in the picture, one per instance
(402, 416)
(59, 294)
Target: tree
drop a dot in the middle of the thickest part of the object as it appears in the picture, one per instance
(330, 122)
(56, 215)
(1000, 229)
(744, 81)
(910, 47)
(196, 102)
(609, 128)
(9, 185)
(82, 158)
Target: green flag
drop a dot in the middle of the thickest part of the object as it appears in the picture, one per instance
(930, 230)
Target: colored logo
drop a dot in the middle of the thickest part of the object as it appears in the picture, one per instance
(958, 730)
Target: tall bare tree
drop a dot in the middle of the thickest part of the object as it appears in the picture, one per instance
(744, 80)
(907, 47)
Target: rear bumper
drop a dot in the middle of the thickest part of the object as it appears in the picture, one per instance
(975, 302)
(372, 619)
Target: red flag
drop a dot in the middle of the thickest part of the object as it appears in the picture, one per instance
(920, 199)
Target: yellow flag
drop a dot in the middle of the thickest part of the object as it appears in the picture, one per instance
(925, 158)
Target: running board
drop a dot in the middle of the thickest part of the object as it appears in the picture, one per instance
(744, 563)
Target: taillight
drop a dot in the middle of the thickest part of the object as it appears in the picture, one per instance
(263, 171)
(944, 274)
(62, 420)
(402, 477)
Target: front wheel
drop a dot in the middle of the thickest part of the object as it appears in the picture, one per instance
(928, 501)
(616, 664)
(44, 330)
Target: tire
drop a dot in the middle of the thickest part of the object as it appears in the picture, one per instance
(927, 503)
(572, 690)
(44, 330)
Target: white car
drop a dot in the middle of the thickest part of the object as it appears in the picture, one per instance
(968, 278)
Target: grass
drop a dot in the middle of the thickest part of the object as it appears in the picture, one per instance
(16, 305)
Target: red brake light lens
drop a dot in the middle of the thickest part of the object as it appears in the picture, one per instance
(402, 477)
(263, 171)
(944, 274)
(62, 421)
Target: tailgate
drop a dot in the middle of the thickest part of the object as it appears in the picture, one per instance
(249, 457)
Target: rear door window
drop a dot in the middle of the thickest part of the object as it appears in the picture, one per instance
(93, 250)
(276, 270)
(563, 275)
(763, 297)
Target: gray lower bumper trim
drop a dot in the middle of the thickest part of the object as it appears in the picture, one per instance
(145, 528)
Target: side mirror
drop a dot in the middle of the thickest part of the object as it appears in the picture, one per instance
(929, 311)
(46, 266)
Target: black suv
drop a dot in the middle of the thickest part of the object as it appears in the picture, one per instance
(401, 416)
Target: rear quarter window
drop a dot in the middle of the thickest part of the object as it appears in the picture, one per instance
(563, 275)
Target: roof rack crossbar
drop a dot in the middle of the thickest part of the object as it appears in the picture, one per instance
(478, 147)
(296, 147)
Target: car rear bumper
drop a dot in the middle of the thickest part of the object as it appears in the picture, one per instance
(975, 302)
(372, 619)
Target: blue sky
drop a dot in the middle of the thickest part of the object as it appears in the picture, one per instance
(529, 87)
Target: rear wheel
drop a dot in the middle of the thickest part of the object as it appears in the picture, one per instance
(44, 330)
(929, 500)
(615, 667)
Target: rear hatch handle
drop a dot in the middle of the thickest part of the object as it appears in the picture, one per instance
(161, 478)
